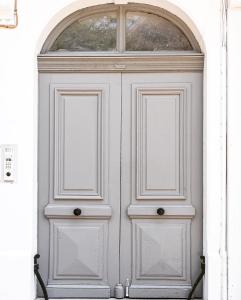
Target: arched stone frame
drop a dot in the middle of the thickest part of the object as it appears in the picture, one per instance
(214, 195)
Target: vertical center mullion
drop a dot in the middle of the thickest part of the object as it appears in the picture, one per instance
(120, 220)
(121, 30)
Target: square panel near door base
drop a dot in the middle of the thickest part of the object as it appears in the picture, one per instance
(161, 127)
(80, 120)
(161, 252)
(74, 258)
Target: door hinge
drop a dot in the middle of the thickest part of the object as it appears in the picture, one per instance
(202, 259)
(40, 280)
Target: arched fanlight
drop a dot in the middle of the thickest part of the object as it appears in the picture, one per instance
(121, 28)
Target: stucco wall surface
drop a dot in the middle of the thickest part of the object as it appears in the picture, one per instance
(18, 125)
(234, 150)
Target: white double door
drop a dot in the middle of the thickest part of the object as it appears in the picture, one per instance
(125, 150)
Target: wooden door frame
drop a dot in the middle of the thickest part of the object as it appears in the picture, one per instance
(162, 63)
(214, 132)
(142, 62)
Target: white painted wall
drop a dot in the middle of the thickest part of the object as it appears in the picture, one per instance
(234, 149)
(18, 125)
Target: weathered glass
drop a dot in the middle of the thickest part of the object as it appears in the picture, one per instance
(96, 33)
(149, 32)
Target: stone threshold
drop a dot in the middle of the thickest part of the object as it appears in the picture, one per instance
(116, 299)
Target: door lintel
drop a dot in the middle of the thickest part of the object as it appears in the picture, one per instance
(126, 63)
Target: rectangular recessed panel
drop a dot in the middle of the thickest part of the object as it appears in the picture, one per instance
(79, 134)
(161, 251)
(81, 143)
(160, 135)
(74, 257)
(161, 142)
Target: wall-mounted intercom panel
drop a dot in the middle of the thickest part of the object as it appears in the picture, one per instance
(8, 163)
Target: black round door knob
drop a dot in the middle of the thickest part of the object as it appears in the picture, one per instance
(160, 211)
(77, 211)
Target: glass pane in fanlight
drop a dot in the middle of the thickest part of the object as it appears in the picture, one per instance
(149, 32)
(95, 33)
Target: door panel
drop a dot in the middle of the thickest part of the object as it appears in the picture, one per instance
(157, 260)
(120, 146)
(161, 256)
(68, 241)
(161, 168)
(79, 167)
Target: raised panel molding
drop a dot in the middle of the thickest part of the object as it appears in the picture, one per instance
(161, 251)
(161, 127)
(80, 135)
(52, 211)
(171, 211)
(158, 291)
(157, 143)
(57, 291)
(73, 257)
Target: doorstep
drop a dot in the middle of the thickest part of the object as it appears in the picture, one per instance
(115, 299)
